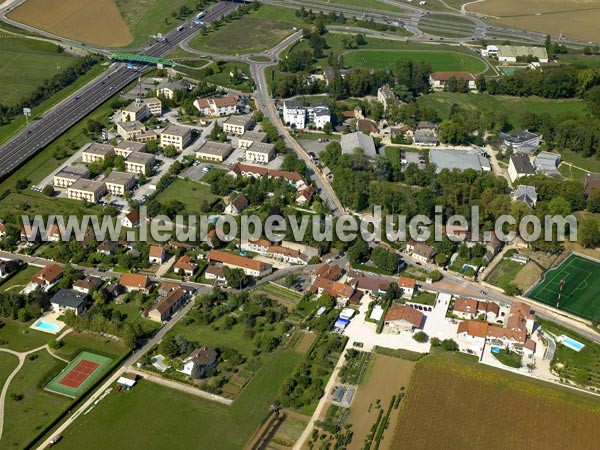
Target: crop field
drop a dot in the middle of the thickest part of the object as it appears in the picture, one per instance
(98, 22)
(260, 30)
(514, 107)
(385, 378)
(207, 424)
(439, 60)
(576, 19)
(24, 64)
(581, 278)
(508, 411)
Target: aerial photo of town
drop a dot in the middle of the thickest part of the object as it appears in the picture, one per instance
(300, 224)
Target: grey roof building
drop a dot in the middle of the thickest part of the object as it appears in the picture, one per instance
(459, 159)
(526, 194)
(523, 141)
(66, 299)
(352, 141)
(547, 163)
(519, 166)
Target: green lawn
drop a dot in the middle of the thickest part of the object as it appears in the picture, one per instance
(74, 343)
(19, 280)
(153, 414)
(24, 64)
(260, 30)
(223, 78)
(440, 60)
(504, 273)
(25, 418)
(513, 106)
(190, 193)
(459, 26)
(508, 359)
(591, 164)
(367, 4)
(8, 363)
(19, 337)
(580, 290)
(424, 298)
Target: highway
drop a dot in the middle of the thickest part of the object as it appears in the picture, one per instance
(44, 130)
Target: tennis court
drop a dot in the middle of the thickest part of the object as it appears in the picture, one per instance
(79, 374)
(580, 278)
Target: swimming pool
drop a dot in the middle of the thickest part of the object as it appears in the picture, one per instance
(47, 326)
(572, 343)
(496, 350)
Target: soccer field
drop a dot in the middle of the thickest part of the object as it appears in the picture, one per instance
(80, 374)
(581, 277)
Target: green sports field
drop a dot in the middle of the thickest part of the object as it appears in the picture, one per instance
(579, 296)
(79, 375)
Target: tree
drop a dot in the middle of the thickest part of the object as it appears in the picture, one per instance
(435, 275)
(359, 251)
(420, 336)
(236, 278)
(327, 128)
(48, 190)
(441, 259)
(169, 347)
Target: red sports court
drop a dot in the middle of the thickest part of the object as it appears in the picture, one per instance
(79, 373)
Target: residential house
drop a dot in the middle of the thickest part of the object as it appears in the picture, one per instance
(48, 276)
(420, 250)
(408, 286)
(135, 282)
(523, 141)
(250, 137)
(177, 136)
(237, 205)
(373, 286)
(214, 151)
(237, 125)
(221, 106)
(96, 152)
(107, 247)
(319, 115)
(167, 89)
(68, 300)
(328, 271)
(305, 196)
(440, 80)
(366, 126)
(54, 234)
(519, 166)
(166, 287)
(386, 96)
(255, 246)
(88, 284)
(260, 152)
(200, 361)
(157, 254)
(249, 266)
(352, 141)
(590, 182)
(131, 131)
(126, 148)
(470, 308)
(119, 183)
(340, 291)
(215, 273)
(136, 110)
(167, 306)
(138, 162)
(69, 175)
(131, 219)
(286, 255)
(88, 190)
(184, 264)
(526, 194)
(400, 318)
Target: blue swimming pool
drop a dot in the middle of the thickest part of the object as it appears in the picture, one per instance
(47, 326)
(572, 343)
(496, 349)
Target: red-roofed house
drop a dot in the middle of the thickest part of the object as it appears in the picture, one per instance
(248, 265)
(408, 286)
(402, 318)
(470, 308)
(185, 263)
(440, 80)
(157, 254)
(135, 282)
(329, 272)
(131, 219)
(342, 292)
(48, 276)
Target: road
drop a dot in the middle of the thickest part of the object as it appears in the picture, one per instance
(42, 131)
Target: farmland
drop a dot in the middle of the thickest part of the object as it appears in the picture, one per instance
(134, 413)
(25, 64)
(98, 22)
(260, 30)
(448, 391)
(574, 18)
(514, 107)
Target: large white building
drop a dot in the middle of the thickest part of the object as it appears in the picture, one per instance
(221, 106)
(296, 115)
(177, 136)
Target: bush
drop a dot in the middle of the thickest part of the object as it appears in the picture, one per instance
(420, 336)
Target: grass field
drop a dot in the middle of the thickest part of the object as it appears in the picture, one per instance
(98, 22)
(8, 363)
(439, 60)
(448, 390)
(207, 425)
(24, 64)
(458, 26)
(25, 418)
(574, 18)
(591, 164)
(513, 106)
(19, 337)
(504, 273)
(190, 193)
(75, 379)
(18, 281)
(581, 278)
(260, 30)
(367, 4)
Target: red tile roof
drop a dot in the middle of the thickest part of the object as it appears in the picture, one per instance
(236, 260)
(134, 280)
(406, 282)
(156, 251)
(406, 313)
(48, 274)
(473, 328)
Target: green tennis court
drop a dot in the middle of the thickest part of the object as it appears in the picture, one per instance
(581, 288)
(79, 374)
